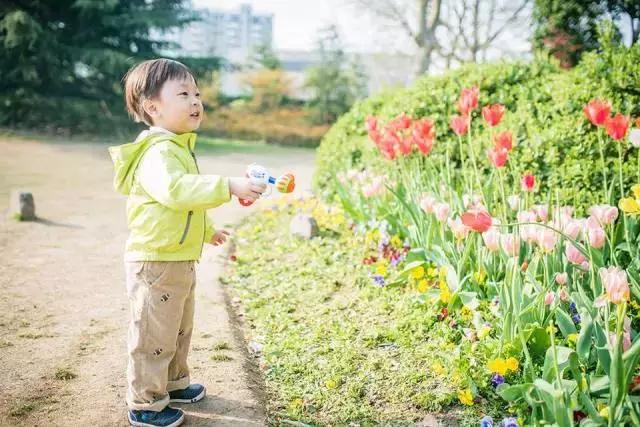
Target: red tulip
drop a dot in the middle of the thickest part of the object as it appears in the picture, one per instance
(468, 100)
(405, 145)
(504, 140)
(371, 123)
(477, 219)
(528, 182)
(424, 133)
(617, 126)
(597, 111)
(498, 156)
(460, 124)
(493, 114)
(401, 122)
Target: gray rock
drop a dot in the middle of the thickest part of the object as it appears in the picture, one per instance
(22, 206)
(304, 226)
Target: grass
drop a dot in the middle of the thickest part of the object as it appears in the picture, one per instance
(64, 374)
(336, 349)
(223, 345)
(24, 407)
(221, 357)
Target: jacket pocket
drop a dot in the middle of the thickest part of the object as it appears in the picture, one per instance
(186, 227)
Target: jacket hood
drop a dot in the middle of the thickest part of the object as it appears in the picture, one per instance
(126, 157)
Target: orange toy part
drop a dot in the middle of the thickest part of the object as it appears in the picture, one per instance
(286, 183)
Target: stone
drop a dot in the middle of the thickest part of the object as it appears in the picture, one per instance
(22, 206)
(304, 226)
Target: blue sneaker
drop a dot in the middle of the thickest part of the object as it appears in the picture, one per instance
(191, 394)
(168, 417)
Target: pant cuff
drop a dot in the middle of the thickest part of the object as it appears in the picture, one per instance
(156, 405)
(180, 384)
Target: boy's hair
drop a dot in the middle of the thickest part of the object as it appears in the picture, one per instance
(145, 80)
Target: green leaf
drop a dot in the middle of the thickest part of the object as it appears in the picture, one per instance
(565, 323)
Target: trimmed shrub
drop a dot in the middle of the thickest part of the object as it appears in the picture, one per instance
(553, 139)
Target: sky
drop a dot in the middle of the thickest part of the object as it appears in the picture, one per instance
(296, 22)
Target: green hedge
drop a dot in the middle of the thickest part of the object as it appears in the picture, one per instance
(544, 109)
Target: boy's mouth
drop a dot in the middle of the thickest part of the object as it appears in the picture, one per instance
(195, 115)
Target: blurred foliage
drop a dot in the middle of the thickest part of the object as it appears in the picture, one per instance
(335, 84)
(61, 62)
(569, 28)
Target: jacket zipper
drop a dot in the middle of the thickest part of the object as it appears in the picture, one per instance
(186, 228)
(204, 216)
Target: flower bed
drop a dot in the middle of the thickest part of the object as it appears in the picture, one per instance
(564, 287)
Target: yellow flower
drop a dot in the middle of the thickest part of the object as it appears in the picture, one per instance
(331, 384)
(418, 272)
(465, 311)
(438, 369)
(480, 276)
(498, 366)
(484, 331)
(629, 205)
(443, 273)
(572, 338)
(465, 396)
(445, 295)
(512, 364)
(432, 272)
(381, 269)
(636, 191)
(423, 285)
(396, 242)
(604, 411)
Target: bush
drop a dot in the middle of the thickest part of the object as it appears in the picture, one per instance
(288, 126)
(544, 109)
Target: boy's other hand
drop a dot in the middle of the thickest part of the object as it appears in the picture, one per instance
(219, 237)
(244, 189)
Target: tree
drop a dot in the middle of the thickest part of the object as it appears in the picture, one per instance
(72, 53)
(568, 28)
(456, 30)
(269, 88)
(336, 83)
(265, 57)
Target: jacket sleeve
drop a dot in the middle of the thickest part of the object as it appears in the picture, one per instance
(163, 176)
(209, 230)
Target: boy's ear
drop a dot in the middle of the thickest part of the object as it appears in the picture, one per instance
(150, 107)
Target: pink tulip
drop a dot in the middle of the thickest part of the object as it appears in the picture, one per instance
(595, 233)
(549, 298)
(626, 335)
(547, 239)
(374, 188)
(427, 204)
(574, 255)
(561, 278)
(477, 219)
(491, 239)
(605, 214)
(541, 211)
(572, 229)
(528, 182)
(510, 244)
(615, 283)
(563, 294)
(528, 233)
(460, 230)
(441, 211)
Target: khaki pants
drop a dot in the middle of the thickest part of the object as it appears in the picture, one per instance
(161, 297)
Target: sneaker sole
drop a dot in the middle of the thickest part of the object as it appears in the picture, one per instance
(193, 400)
(176, 423)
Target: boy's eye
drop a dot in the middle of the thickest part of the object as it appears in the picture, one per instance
(198, 94)
(183, 93)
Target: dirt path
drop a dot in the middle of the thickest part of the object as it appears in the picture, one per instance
(63, 305)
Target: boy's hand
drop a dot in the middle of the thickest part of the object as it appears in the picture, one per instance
(219, 238)
(244, 189)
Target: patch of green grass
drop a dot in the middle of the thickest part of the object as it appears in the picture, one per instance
(338, 349)
(64, 374)
(223, 345)
(21, 409)
(221, 357)
(228, 146)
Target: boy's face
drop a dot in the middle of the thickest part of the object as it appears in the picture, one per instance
(178, 107)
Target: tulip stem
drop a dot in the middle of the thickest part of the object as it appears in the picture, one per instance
(604, 168)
